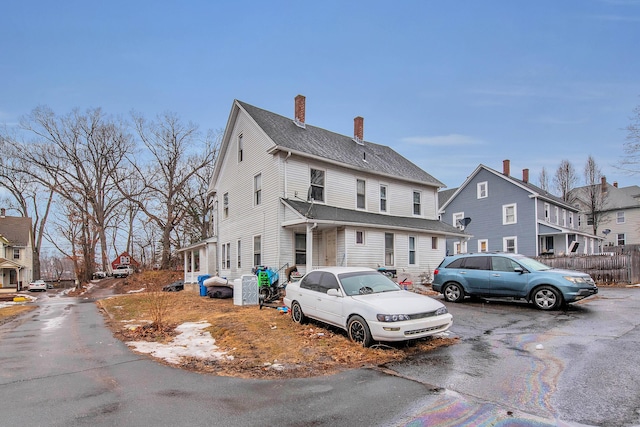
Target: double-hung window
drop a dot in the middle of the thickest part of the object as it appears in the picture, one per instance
(360, 194)
(257, 250)
(388, 249)
(257, 189)
(317, 185)
(620, 217)
(383, 198)
(225, 205)
(412, 250)
(482, 190)
(417, 206)
(509, 214)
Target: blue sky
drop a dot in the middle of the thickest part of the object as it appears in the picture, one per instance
(448, 84)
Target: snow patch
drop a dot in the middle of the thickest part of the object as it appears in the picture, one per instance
(191, 341)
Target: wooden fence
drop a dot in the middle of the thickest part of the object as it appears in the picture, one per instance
(608, 268)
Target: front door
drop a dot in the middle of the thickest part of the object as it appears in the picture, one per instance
(330, 251)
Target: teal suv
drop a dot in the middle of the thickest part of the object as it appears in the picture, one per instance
(504, 275)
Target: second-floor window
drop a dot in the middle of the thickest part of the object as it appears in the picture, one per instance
(16, 253)
(240, 148)
(226, 256)
(317, 185)
(417, 207)
(564, 217)
(509, 214)
(383, 198)
(257, 189)
(482, 190)
(557, 212)
(360, 194)
(620, 217)
(570, 219)
(457, 217)
(547, 212)
(225, 205)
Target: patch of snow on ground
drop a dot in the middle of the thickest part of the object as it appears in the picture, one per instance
(191, 341)
(136, 291)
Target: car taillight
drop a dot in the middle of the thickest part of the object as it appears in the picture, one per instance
(435, 271)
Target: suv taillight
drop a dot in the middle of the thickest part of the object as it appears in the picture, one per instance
(435, 271)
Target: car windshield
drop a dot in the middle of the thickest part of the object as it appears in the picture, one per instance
(366, 282)
(532, 264)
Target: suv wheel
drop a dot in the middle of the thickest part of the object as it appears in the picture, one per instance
(546, 298)
(453, 292)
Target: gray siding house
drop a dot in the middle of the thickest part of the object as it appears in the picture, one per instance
(287, 193)
(507, 214)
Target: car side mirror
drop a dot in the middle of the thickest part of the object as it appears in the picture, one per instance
(519, 270)
(334, 293)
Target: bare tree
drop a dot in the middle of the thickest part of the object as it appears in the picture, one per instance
(178, 155)
(543, 179)
(77, 157)
(631, 161)
(29, 197)
(565, 179)
(594, 194)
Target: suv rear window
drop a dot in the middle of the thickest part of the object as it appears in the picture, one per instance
(456, 263)
(477, 263)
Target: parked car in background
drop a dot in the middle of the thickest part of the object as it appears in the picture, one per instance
(365, 303)
(37, 285)
(122, 271)
(99, 275)
(505, 275)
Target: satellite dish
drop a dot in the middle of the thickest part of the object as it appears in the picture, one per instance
(463, 222)
(606, 231)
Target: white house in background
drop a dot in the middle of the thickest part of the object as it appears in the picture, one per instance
(287, 193)
(16, 251)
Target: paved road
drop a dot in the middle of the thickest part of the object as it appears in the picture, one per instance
(62, 367)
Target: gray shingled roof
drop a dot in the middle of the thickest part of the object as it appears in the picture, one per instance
(445, 195)
(16, 229)
(330, 213)
(322, 143)
(616, 198)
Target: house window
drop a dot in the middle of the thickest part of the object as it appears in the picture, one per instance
(226, 255)
(620, 217)
(483, 245)
(417, 209)
(240, 148)
(257, 189)
(225, 205)
(557, 212)
(239, 247)
(510, 244)
(482, 190)
(548, 245)
(564, 217)
(383, 198)
(579, 220)
(359, 237)
(388, 249)
(547, 212)
(317, 185)
(196, 260)
(459, 247)
(456, 220)
(509, 214)
(412, 250)
(621, 239)
(570, 219)
(360, 194)
(589, 219)
(16, 253)
(434, 243)
(257, 250)
(301, 248)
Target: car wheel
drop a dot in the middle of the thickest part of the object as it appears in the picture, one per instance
(453, 292)
(546, 298)
(359, 331)
(296, 313)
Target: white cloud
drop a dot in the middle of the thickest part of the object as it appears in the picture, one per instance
(442, 140)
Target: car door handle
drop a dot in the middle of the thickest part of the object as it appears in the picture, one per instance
(495, 275)
(463, 272)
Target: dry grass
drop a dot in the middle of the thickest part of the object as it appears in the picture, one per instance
(9, 313)
(256, 338)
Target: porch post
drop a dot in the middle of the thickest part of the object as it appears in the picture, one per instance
(309, 255)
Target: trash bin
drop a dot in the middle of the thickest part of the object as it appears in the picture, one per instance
(203, 288)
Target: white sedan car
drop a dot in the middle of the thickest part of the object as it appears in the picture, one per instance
(37, 285)
(365, 303)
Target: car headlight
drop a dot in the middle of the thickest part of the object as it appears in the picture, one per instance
(574, 279)
(392, 317)
(441, 311)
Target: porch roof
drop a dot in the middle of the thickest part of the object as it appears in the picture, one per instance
(320, 213)
(547, 229)
(5, 263)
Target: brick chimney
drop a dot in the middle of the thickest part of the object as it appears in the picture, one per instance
(525, 175)
(506, 167)
(603, 184)
(358, 129)
(299, 110)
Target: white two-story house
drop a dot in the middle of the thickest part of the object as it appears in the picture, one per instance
(16, 251)
(287, 193)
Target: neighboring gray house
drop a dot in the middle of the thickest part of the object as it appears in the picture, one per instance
(512, 215)
(617, 212)
(16, 251)
(287, 193)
